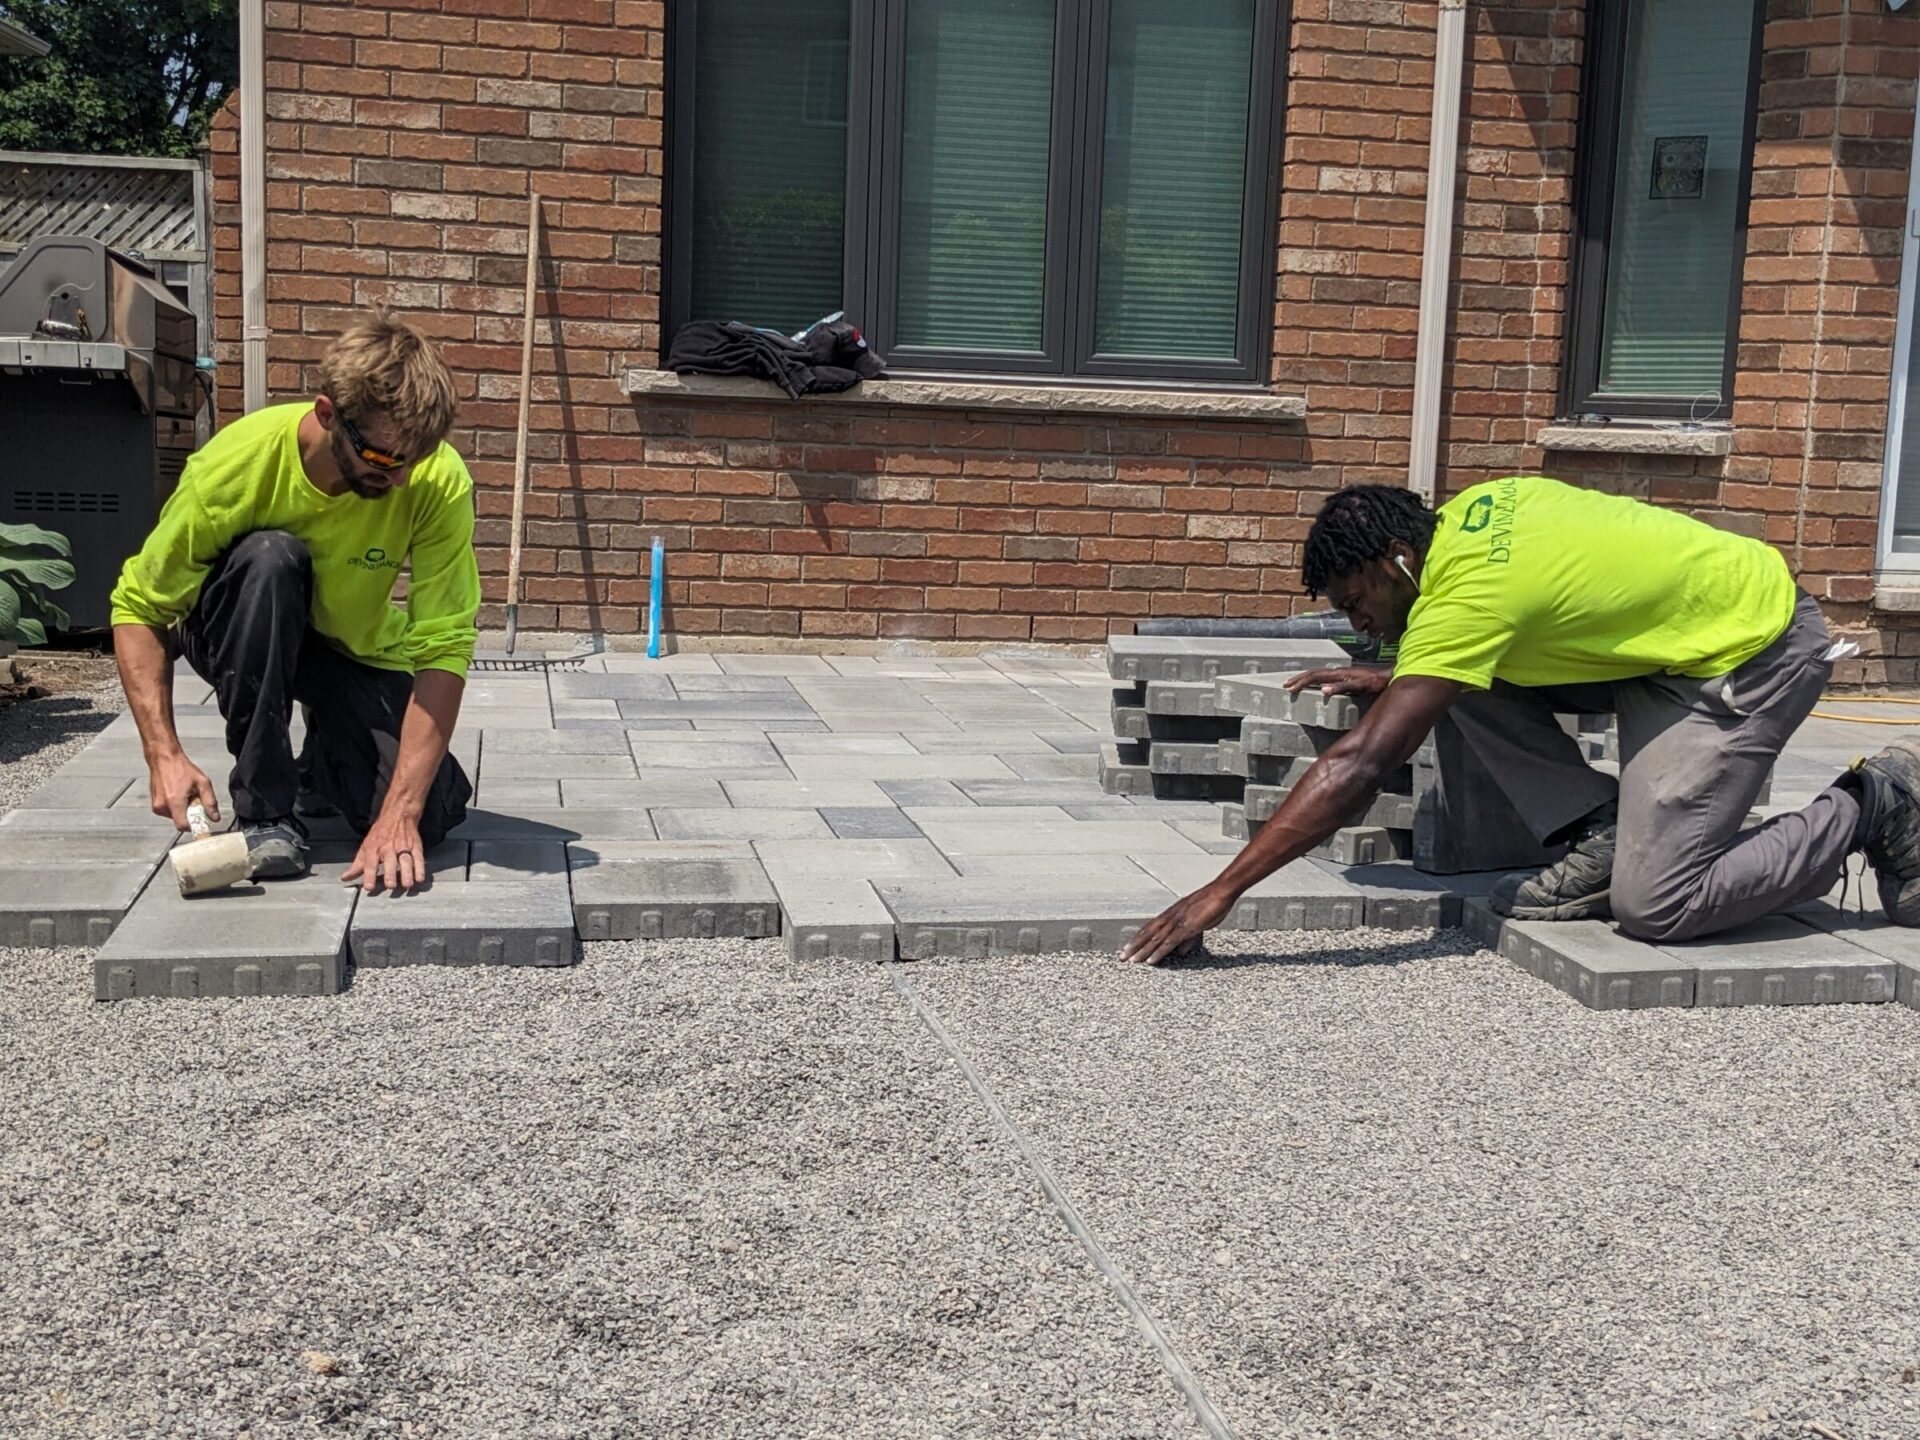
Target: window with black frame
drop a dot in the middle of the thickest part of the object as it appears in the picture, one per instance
(1030, 188)
(1665, 166)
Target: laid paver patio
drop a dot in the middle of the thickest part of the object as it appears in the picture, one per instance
(865, 806)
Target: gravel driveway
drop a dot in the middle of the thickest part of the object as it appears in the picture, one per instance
(696, 1189)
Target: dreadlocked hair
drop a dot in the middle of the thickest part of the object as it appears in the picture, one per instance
(1359, 524)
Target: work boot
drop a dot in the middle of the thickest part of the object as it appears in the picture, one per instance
(1889, 790)
(1579, 887)
(277, 849)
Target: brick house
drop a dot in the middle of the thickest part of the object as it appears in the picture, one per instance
(1149, 279)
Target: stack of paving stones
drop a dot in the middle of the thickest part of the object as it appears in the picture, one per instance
(1279, 736)
(1167, 729)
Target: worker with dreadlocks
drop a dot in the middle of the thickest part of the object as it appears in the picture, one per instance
(1523, 599)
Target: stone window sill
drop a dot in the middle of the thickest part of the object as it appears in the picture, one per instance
(1627, 439)
(951, 394)
(1897, 595)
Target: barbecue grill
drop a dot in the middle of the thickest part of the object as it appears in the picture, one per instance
(98, 398)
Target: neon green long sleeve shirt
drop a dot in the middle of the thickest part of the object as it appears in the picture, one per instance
(249, 477)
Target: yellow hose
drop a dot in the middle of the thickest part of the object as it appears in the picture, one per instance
(1861, 700)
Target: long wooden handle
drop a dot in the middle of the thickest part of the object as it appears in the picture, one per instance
(526, 397)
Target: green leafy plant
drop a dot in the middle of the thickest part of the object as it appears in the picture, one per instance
(26, 577)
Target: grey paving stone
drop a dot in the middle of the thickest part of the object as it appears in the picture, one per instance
(634, 662)
(514, 794)
(829, 908)
(656, 890)
(720, 707)
(654, 787)
(119, 820)
(1391, 812)
(981, 916)
(564, 710)
(774, 665)
(1128, 722)
(1784, 961)
(1165, 757)
(1366, 845)
(569, 823)
(1051, 765)
(562, 767)
(715, 758)
(1875, 933)
(588, 686)
(864, 822)
(1010, 743)
(42, 906)
(461, 920)
(1053, 867)
(1266, 697)
(1586, 959)
(898, 767)
(802, 795)
(1187, 698)
(1000, 793)
(607, 740)
(284, 938)
(677, 824)
(710, 724)
(828, 743)
(476, 718)
(1399, 897)
(1078, 742)
(1300, 896)
(1124, 768)
(1047, 837)
(1179, 657)
(732, 685)
(928, 793)
(85, 792)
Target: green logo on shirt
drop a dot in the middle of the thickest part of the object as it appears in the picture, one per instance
(374, 559)
(1479, 515)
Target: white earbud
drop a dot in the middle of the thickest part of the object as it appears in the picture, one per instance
(1401, 561)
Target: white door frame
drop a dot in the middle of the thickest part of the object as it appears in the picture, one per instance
(1888, 563)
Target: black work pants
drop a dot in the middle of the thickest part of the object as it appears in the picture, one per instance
(248, 636)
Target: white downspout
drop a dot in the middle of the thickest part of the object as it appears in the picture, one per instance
(1436, 252)
(253, 204)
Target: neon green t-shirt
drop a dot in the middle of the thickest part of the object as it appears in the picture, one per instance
(249, 477)
(1537, 583)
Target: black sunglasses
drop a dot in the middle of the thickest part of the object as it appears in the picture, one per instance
(379, 459)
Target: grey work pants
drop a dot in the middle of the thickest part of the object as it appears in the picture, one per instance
(1693, 755)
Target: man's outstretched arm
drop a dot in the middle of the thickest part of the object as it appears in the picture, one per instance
(146, 674)
(1340, 782)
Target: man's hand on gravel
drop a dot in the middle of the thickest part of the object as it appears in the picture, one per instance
(1177, 929)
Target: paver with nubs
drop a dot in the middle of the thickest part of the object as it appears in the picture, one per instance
(282, 937)
(974, 917)
(670, 889)
(508, 903)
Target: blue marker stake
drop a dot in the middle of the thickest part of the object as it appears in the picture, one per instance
(655, 597)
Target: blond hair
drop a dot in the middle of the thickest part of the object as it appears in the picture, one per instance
(383, 366)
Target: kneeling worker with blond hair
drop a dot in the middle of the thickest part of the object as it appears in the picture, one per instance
(272, 571)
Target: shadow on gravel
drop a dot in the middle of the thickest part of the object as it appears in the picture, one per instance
(29, 726)
(1434, 945)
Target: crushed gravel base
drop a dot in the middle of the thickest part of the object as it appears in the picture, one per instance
(681, 1189)
(1403, 1190)
(37, 737)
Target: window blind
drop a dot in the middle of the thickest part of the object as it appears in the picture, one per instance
(770, 160)
(1173, 177)
(978, 121)
(1676, 188)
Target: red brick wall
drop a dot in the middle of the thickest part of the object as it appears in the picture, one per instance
(403, 138)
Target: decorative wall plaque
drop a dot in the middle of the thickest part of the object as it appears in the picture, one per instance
(1679, 167)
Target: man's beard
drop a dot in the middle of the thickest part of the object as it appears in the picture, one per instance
(366, 491)
(342, 460)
